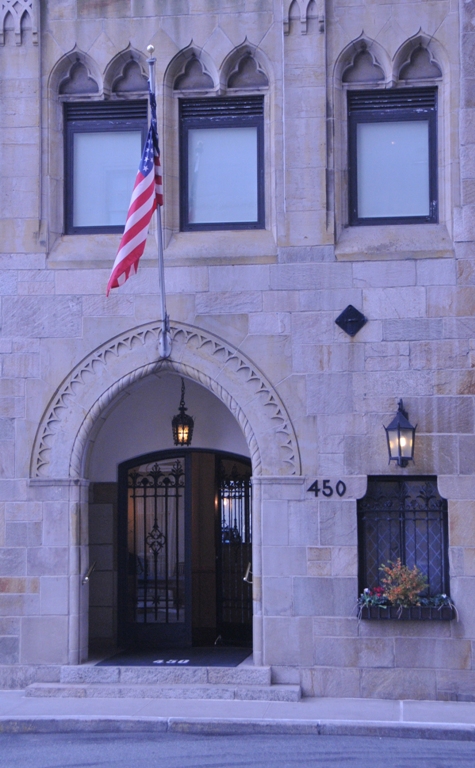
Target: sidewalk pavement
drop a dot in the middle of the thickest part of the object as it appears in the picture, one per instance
(364, 717)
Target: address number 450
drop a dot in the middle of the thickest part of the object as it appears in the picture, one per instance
(327, 489)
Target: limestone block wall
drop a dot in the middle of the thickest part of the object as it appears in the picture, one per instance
(253, 317)
(20, 154)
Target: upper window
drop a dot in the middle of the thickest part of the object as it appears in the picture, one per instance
(221, 163)
(403, 518)
(393, 156)
(103, 148)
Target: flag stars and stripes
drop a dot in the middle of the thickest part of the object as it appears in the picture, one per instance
(146, 196)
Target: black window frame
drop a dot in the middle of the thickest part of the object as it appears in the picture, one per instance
(221, 113)
(400, 511)
(400, 104)
(97, 117)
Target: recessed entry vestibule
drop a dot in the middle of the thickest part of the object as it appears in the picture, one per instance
(172, 557)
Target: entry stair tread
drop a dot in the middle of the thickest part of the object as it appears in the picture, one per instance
(248, 683)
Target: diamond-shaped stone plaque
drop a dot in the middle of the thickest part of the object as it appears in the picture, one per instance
(351, 320)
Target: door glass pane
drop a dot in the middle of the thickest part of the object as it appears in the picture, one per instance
(222, 175)
(156, 543)
(105, 166)
(393, 169)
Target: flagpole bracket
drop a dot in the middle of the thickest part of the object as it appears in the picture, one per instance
(165, 340)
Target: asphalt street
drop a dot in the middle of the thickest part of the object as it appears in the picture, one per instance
(172, 750)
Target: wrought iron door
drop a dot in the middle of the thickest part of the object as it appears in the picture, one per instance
(156, 609)
(234, 557)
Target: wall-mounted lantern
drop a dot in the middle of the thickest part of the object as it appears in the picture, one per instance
(182, 423)
(400, 435)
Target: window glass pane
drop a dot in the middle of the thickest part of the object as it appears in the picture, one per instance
(105, 166)
(393, 169)
(222, 175)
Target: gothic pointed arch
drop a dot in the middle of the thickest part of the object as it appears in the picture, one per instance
(76, 74)
(419, 58)
(303, 11)
(246, 67)
(16, 14)
(362, 61)
(127, 74)
(192, 69)
(64, 434)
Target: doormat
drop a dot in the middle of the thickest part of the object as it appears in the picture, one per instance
(183, 657)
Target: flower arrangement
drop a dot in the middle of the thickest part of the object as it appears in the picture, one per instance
(401, 587)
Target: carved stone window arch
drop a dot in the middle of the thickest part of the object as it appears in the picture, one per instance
(78, 81)
(248, 74)
(364, 68)
(193, 77)
(126, 76)
(420, 65)
(245, 68)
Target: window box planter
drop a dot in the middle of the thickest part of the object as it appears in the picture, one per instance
(415, 613)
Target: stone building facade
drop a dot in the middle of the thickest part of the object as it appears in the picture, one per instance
(269, 375)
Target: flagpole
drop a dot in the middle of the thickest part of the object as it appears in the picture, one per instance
(165, 341)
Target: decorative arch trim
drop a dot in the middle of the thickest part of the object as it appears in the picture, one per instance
(233, 63)
(61, 443)
(364, 68)
(118, 77)
(303, 10)
(17, 10)
(63, 73)
(362, 45)
(177, 67)
(437, 57)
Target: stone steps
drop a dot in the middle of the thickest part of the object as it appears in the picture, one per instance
(241, 683)
(167, 675)
(117, 691)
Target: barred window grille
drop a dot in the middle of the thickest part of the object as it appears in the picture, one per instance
(403, 518)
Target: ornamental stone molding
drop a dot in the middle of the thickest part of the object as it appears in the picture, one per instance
(16, 9)
(64, 433)
(303, 10)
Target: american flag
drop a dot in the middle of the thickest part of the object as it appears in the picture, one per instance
(146, 196)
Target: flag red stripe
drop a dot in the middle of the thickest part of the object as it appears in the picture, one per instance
(147, 194)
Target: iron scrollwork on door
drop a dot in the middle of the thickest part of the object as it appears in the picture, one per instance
(156, 543)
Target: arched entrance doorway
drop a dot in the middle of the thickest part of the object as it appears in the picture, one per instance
(185, 545)
(70, 430)
(163, 523)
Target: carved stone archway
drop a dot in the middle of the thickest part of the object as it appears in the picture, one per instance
(61, 445)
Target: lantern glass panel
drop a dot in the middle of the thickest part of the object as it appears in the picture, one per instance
(393, 443)
(183, 432)
(406, 443)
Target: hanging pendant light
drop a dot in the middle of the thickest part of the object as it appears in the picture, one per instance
(400, 436)
(182, 423)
